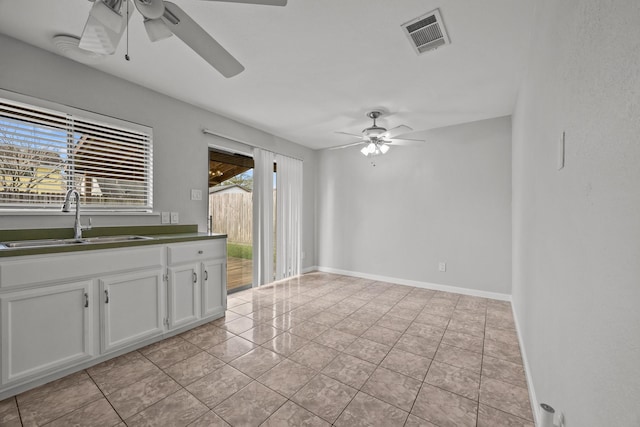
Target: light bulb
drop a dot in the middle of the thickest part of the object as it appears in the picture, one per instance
(365, 150)
(384, 148)
(371, 148)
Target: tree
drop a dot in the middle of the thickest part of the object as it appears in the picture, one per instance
(243, 180)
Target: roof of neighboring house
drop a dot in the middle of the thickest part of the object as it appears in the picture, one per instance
(222, 188)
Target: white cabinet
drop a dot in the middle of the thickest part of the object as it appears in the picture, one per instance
(45, 329)
(131, 308)
(214, 288)
(197, 281)
(183, 290)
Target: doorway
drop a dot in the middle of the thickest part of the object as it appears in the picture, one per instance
(231, 213)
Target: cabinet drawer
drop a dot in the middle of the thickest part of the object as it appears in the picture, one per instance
(37, 269)
(189, 252)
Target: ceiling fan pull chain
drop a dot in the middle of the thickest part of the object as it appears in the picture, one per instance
(126, 55)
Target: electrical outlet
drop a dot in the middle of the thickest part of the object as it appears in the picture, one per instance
(442, 266)
(165, 218)
(174, 217)
(196, 194)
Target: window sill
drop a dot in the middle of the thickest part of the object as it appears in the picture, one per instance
(82, 212)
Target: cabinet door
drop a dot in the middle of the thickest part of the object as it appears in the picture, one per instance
(184, 286)
(131, 308)
(45, 329)
(214, 287)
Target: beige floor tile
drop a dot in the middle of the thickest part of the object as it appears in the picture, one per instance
(161, 344)
(285, 344)
(503, 370)
(96, 414)
(178, 409)
(352, 326)
(467, 327)
(136, 397)
(325, 397)
(464, 341)
(392, 387)
(314, 355)
(503, 351)
(212, 389)
(231, 349)
(421, 346)
(382, 335)
(261, 333)
(454, 379)
(9, 411)
(407, 363)
(425, 331)
(52, 405)
(444, 408)
(122, 373)
(368, 350)
(490, 417)
(292, 415)
(365, 410)
(287, 377)
(335, 339)
(228, 317)
(413, 421)
(250, 406)
(209, 337)
(194, 368)
(396, 323)
(459, 357)
(404, 312)
(308, 330)
(349, 370)
(326, 318)
(209, 419)
(39, 393)
(502, 335)
(175, 352)
(430, 319)
(506, 397)
(239, 325)
(256, 362)
(243, 309)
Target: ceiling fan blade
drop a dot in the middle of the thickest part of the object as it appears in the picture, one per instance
(264, 2)
(398, 130)
(339, 147)
(349, 134)
(405, 141)
(194, 36)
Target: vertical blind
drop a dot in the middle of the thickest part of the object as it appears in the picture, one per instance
(44, 153)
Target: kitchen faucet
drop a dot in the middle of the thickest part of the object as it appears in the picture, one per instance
(77, 227)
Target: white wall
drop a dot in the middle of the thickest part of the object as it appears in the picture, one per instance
(576, 232)
(180, 148)
(448, 199)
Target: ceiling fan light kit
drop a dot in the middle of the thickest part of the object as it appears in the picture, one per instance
(105, 27)
(156, 29)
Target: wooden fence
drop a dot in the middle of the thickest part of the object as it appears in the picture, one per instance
(232, 214)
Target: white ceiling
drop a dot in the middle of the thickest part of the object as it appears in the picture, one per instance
(317, 66)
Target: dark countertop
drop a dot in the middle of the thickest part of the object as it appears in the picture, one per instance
(160, 234)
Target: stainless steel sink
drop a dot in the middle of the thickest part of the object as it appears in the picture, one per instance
(40, 243)
(115, 239)
(64, 242)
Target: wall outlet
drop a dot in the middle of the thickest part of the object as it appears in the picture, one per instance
(174, 217)
(196, 194)
(442, 266)
(165, 218)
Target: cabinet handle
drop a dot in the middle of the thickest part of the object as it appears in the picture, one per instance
(106, 296)
(195, 277)
(86, 300)
(206, 275)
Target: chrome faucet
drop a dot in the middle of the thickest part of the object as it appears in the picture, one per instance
(77, 226)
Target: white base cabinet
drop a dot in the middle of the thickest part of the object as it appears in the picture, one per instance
(131, 308)
(197, 281)
(61, 312)
(45, 329)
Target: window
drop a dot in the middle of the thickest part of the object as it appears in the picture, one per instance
(44, 153)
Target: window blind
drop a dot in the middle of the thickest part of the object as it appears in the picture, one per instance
(44, 153)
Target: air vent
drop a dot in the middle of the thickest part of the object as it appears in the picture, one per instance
(426, 32)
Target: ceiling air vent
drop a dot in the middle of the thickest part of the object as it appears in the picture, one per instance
(426, 32)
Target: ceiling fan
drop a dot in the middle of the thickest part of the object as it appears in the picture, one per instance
(376, 139)
(109, 18)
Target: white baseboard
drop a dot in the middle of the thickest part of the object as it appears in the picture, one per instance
(309, 269)
(417, 284)
(532, 391)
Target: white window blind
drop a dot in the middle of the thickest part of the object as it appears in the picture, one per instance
(44, 152)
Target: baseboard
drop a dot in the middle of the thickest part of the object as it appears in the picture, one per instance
(532, 391)
(417, 284)
(309, 269)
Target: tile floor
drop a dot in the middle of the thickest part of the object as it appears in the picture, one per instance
(318, 350)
